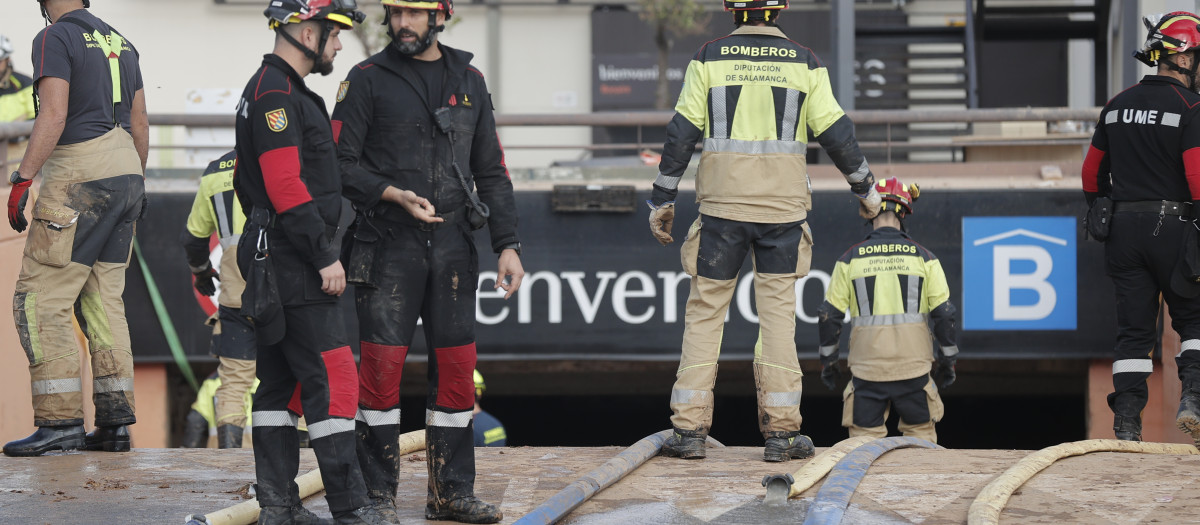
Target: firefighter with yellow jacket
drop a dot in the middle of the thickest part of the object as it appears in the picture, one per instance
(752, 97)
(892, 288)
(217, 210)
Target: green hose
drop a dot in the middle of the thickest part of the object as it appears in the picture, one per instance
(164, 319)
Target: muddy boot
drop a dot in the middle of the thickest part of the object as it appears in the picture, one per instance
(1127, 428)
(361, 516)
(229, 436)
(686, 444)
(386, 507)
(466, 510)
(1188, 417)
(46, 439)
(296, 514)
(195, 431)
(109, 439)
(782, 446)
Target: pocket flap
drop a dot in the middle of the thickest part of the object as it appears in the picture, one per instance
(58, 216)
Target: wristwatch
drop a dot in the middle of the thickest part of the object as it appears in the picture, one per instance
(512, 246)
(16, 178)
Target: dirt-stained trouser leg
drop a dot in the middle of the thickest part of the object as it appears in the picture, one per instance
(712, 255)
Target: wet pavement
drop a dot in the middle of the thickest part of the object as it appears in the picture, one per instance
(161, 486)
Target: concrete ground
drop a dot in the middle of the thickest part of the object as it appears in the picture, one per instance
(161, 486)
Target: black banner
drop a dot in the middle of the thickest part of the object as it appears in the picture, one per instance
(599, 287)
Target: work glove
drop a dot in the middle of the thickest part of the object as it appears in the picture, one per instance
(17, 197)
(662, 219)
(205, 280)
(944, 373)
(829, 370)
(869, 203)
(145, 206)
(829, 376)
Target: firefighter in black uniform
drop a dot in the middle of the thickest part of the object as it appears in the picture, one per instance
(1145, 156)
(289, 188)
(415, 132)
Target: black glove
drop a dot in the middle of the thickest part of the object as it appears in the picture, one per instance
(829, 375)
(944, 373)
(145, 206)
(205, 281)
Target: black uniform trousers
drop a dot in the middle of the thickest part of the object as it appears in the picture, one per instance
(430, 272)
(236, 339)
(1141, 254)
(310, 371)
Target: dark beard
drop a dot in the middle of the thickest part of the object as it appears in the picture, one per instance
(322, 66)
(409, 48)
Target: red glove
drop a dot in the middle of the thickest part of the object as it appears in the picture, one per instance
(17, 197)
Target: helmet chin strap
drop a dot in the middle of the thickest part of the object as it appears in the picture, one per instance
(315, 56)
(1189, 73)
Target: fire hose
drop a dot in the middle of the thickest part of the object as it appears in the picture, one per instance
(310, 483)
(835, 493)
(781, 487)
(985, 510)
(579, 491)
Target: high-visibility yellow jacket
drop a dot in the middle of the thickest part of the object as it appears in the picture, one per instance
(216, 210)
(892, 287)
(753, 97)
(16, 99)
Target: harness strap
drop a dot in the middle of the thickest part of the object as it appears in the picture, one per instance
(111, 46)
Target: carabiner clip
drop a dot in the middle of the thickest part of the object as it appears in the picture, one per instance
(261, 245)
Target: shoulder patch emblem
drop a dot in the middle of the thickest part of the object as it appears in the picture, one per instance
(277, 120)
(342, 89)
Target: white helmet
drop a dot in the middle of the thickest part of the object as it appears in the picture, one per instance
(6, 48)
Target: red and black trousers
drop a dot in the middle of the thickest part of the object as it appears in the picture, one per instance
(428, 273)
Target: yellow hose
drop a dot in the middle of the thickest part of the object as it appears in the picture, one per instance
(246, 512)
(818, 467)
(985, 510)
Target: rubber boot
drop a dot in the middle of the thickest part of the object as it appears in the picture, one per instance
(782, 446)
(195, 431)
(229, 436)
(109, 439)
(46, 439)
(361, 516)
(1188, 417)
(386, 507)
(1127, 428)
(685, 444)
(296, 514)
(468, 509)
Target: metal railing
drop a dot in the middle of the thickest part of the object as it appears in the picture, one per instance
(658, 119)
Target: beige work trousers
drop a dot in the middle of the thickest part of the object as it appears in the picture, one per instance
(777, 374)
(96, 185)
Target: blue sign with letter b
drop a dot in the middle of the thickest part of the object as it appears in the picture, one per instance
(1019, 273)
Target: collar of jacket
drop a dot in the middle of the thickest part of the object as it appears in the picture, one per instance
(276, 61)
(1162, 79)
(456, 61)
(887, 232)
(759, 30)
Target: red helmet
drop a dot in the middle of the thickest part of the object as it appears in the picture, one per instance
(896, 196)
(428, 5)
(342, 12)
(1167, 34)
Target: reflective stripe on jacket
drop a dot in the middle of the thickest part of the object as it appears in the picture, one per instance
(891, 286)
(753, 97)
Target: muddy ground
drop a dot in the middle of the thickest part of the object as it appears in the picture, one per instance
(161, 486)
